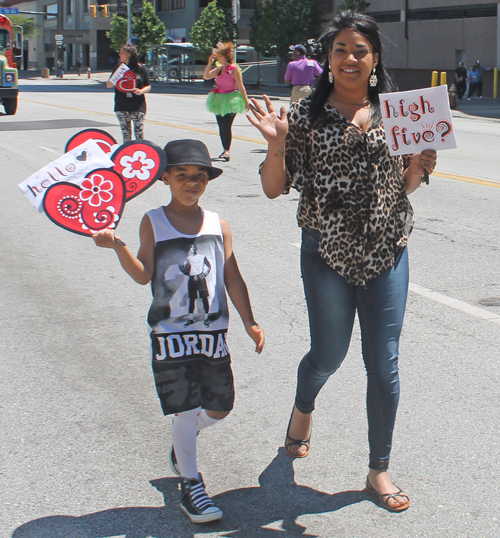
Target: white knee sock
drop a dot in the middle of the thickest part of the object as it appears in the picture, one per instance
(204, 421)
(184, 432)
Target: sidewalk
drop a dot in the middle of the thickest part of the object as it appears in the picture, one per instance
(484, 108)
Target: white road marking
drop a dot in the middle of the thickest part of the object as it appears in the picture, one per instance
(455, 303)
(48, 149)
(449, 301)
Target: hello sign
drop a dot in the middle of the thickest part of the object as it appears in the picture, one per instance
(85, 190)
(73, 166)
(416, 120)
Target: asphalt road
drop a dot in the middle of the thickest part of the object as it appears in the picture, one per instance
(84, 444)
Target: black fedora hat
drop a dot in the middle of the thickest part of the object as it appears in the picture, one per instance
(185, 152)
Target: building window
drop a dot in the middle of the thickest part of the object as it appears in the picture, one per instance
(69, 7)
(244, 4)
(178, 4)
(386, 16)
(52, 10)
(453, 12)
(86, 6)
(162, 5)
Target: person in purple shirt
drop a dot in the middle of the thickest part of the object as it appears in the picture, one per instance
(300, 73)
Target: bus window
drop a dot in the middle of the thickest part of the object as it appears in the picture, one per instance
(4, 39)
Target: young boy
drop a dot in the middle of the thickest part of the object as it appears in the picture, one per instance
(186, 253)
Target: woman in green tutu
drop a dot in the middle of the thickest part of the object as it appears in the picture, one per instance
(228, 96)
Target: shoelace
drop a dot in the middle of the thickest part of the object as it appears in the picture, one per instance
(199, 497)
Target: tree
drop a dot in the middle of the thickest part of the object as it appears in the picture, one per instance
(277, 24)
(262, 29)
(209, 29)
(354, 5)
(147, 27)
(118, 32)
(30, 29)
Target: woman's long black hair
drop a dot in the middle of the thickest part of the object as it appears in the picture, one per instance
(133, 61)
(367, 27)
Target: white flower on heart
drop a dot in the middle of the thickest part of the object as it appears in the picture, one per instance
(138, 166)
(96, 190)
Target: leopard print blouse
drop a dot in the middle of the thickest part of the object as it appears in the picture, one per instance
(352, 192)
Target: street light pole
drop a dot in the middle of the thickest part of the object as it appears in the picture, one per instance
(60, 26)
(236, 16)
(129, 40)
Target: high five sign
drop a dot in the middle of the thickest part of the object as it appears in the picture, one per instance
(416, 120)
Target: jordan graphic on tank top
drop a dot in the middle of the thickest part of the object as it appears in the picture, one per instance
(189, 314)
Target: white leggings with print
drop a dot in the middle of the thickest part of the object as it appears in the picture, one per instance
(126, 119)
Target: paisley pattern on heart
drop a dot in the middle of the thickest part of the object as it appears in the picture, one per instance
(140, 163)
(128, 82)
(104, 140)
(96, 205)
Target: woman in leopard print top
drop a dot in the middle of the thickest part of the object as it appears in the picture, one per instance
(356, 219)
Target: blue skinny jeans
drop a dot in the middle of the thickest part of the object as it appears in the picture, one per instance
(332, 304)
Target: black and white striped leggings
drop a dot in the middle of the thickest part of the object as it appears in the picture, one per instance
(126, 119)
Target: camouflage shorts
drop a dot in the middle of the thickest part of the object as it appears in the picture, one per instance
(194, 384)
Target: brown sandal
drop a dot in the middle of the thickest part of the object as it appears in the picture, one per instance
(289, 441)
(384, 498)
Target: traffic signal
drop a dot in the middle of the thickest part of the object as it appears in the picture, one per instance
(93, 10)
(105, 10)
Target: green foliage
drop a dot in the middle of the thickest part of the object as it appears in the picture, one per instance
(118, 32)
(30, 29)
(359, 6)
(262, 29)
(277, 24)
(209, 29)
(147, 27)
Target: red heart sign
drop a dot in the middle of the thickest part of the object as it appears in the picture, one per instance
(104, 140)
(96, 205)
(140, 163)
(127, 82)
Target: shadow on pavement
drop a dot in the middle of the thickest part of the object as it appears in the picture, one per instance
(40, 125)
(98, 84)
(62, 88)
(249, 512)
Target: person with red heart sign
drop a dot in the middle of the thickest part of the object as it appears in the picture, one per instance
(130, 88)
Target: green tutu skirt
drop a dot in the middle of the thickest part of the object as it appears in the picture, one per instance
(221, 104)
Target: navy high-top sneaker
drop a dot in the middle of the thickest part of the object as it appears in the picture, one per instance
(195, 502)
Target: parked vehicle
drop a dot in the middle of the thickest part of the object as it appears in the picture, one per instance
(8, 68)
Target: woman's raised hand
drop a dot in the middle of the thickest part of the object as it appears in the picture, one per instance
(273, 127)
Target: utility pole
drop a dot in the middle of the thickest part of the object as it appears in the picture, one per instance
(236, 18)
(129, 39)
(60, 30)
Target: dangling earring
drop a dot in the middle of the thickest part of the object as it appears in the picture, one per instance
(373, 80)
(330, 75)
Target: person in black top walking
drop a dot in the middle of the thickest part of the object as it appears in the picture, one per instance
(131, 106)
(461, 79)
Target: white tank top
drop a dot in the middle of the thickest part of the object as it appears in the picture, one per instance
(189, 314)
